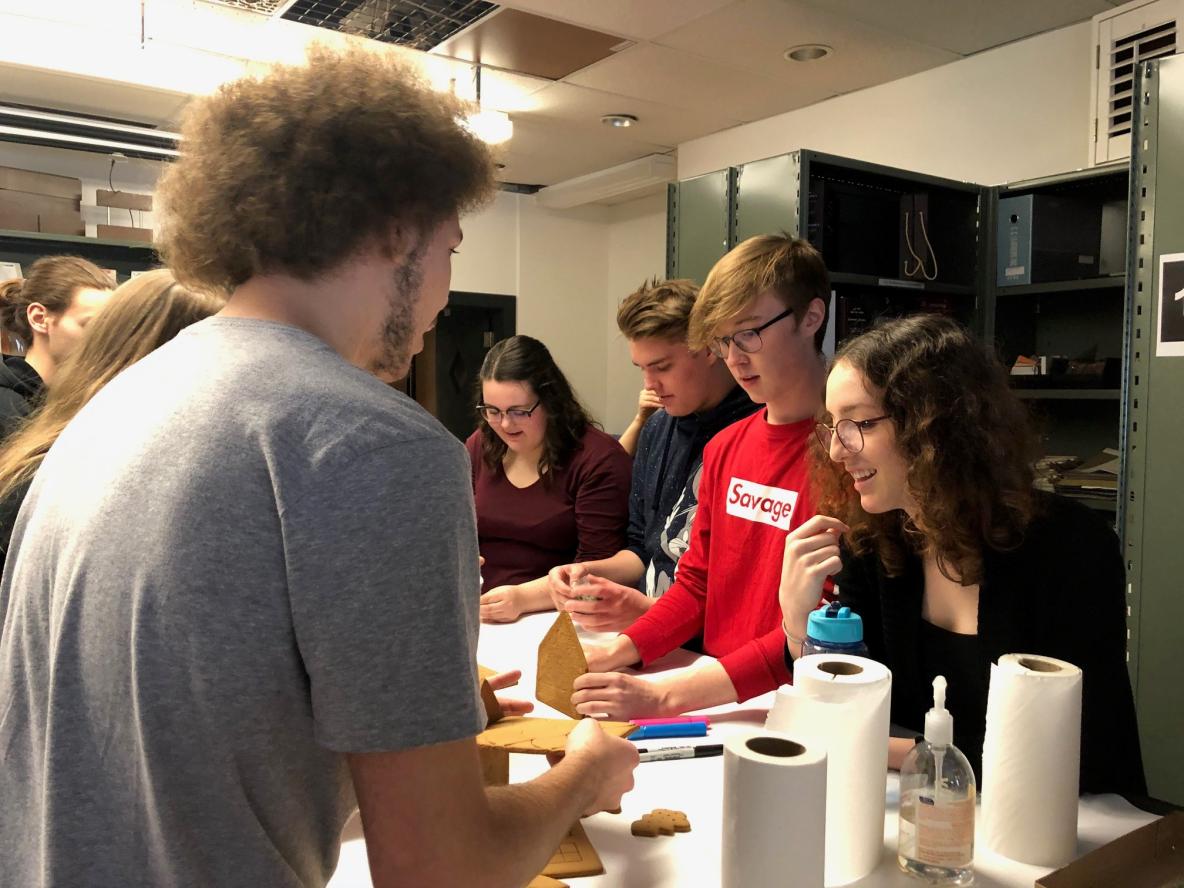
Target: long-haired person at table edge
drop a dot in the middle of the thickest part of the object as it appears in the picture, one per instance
(939, 542)
(550, 487)
(46, 312)
(142, 315)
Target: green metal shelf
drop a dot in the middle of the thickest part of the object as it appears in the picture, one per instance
(1038, 394)
(871, 280)
(1117, 281)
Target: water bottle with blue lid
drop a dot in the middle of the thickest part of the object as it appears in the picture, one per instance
(834, 629)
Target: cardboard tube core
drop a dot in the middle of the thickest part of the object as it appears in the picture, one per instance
(775, 746)
(838, 667)
(1038, 665)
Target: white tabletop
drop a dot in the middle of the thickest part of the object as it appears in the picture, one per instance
(696, 787)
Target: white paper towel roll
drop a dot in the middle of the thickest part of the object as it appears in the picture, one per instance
(774, 816)
(1031, 759)
(842, 702)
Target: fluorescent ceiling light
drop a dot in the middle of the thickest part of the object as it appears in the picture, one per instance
(33, 127)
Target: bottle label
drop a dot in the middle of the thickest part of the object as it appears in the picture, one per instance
(944, 833)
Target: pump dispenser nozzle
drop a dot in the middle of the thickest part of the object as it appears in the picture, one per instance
(939, 724)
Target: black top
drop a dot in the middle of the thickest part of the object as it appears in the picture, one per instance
(664, 493)
(1061, 593)
(20, 388)
(959, 658)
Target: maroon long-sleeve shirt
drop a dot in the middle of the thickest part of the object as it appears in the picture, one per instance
(580, 515)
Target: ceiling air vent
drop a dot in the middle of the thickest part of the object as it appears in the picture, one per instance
(1123, 38)
(1125, 54)
(419, 24)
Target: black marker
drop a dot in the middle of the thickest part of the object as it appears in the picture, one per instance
(703, 750)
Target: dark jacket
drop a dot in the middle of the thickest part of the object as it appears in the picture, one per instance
(1061, 593)
(665, 489)
(20, 389)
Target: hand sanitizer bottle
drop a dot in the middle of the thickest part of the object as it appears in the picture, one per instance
(937, 803)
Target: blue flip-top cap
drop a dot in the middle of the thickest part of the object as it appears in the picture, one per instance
(835, 624)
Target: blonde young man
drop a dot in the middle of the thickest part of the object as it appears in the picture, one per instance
(229, 618)
(698, 398)
(763, 309)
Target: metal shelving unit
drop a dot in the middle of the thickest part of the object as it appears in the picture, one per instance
(852, 211)
(123, 256)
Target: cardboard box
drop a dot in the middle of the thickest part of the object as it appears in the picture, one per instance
(39, 203)
(61, 223)
(1149, 857)
(14, 219)
(125, 233)
(124, 200)
(40, 183)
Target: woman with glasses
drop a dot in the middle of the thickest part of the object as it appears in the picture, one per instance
(550, 487)
(931, 528)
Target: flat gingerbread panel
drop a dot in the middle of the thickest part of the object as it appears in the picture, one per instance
(518, 733)
(575, 856)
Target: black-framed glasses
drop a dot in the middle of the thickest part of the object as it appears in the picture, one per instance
(850, 432)
(748, 341)
(494, 414)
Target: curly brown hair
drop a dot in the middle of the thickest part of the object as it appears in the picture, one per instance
(299, 170)
(525, 359)
(968, 441)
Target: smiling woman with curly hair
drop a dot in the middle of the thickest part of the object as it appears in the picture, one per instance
(930, 526)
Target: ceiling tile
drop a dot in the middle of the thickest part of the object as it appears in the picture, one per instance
(969, 27)
(546, 152)
(659, 74)
(754, 34)
(642, 20)
(532, 44)
(657, 123)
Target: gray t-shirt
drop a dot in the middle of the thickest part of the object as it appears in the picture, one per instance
(244, 558)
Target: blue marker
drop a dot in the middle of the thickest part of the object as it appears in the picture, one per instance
(655, 732)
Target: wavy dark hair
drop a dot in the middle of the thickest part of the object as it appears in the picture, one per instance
(525, 359)
(968, 441)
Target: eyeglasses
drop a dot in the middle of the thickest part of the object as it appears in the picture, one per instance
(494, 414)
(850, 432)
(748, 341)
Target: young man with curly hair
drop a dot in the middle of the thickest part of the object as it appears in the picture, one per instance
(763, 310)
(699, 397)
(242, 595)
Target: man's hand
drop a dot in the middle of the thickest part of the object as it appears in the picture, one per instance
(609, 763)
(510, 705)
(811, 555)
(620, 697)
(501, 604)
(620, 652)
(647, 404)
(609, 606)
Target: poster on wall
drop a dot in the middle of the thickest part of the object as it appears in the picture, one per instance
(1169, 335)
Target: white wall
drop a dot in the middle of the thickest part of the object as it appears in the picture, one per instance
(636, 252)
(569, 270)
(1011, 113)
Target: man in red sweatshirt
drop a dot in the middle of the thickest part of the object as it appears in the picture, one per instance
(763, 309)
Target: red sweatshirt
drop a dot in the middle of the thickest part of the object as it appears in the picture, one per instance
(753, 492)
